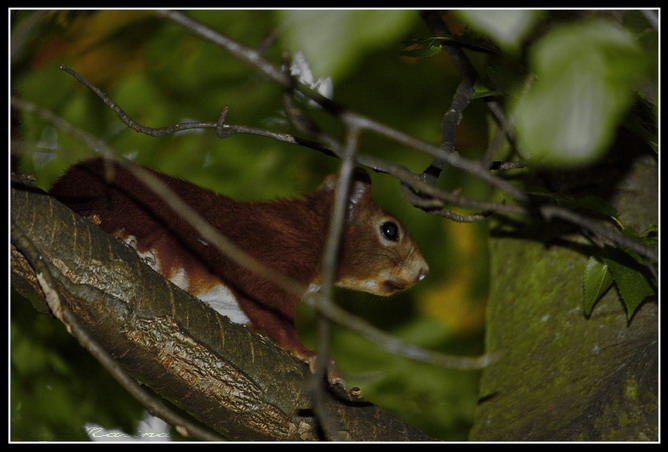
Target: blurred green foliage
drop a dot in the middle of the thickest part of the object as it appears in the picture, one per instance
(582, 77)
(56, 386)
(336, 41)
(161, 74)
(507, 28)
(585, 75)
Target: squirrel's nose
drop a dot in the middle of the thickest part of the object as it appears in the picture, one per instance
(424, 271)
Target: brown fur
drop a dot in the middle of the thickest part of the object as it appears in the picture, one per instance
(287, 235)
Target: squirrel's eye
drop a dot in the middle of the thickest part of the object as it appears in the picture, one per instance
(390, 231)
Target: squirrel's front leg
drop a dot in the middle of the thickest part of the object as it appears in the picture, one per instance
(281, 328)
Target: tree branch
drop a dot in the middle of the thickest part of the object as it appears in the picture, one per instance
(330, 264)
(408, 178)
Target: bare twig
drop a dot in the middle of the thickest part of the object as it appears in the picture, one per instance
(275, 73)
(471, 167)
(430, 175)
(225, 130)
(426, 190)
(330, 264)
(463, 64)
(401, 348)
(436, 206)
(449, 124)
(611, 236)
(503, 166)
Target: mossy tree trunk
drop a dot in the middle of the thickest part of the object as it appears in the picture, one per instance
(563, 376)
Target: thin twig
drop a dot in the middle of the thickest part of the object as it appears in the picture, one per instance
(503, 166)
(401, 348)
(330, 265)
(449, 124)
(225, 130)
(430, 175)
(599, 230)
(159, 132)
(470, 166)
(275, 73)
(417, 184)
(463, 64)
(436, 207)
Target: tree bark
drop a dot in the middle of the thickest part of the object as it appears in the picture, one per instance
(237, 382)
(563, 376)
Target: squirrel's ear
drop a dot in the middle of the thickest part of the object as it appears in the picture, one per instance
(329, 184)
(360, 187)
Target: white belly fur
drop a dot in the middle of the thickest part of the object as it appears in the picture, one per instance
(219, 297)
(223, 300)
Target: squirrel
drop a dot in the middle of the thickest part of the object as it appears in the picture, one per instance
(377, 254)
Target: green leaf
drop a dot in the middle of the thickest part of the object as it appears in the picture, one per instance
(333, 41)
(506, 27)
(585, 76)
(425, 49)
(651, 229)
(593, 203)
(597, 204)
(481, 90)
(627, 270)
(595, 281)
(470, 40)
(646, 238)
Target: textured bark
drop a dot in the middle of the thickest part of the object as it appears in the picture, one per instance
(235, 381)
(563, 376)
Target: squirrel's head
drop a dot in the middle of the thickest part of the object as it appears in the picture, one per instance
(378, 255)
